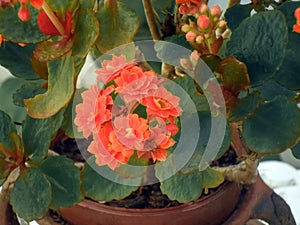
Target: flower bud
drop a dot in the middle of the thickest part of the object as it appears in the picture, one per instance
(203, 9)
(185, 28)
(24, 13)
(222, 24)
(203, 22)
(190, 36)
(215, 11)
(199, 39)
(297, 13)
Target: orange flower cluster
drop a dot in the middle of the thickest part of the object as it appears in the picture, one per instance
(110, 114)
(296, 27)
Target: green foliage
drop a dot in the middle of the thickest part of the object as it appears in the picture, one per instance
(6, 128)
(64, 178)
(97, 187)
(37, 135)
(28, 90)
(60, 7)
(261, 53)
(118, 25)
(17, 60)
(60, 89)
(272, 128)
(236, 14)
(16, 30)
(30, 196)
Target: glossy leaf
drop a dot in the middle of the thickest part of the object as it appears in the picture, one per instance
(50, 50)
(60, 90)
(17, 60)
(183, 188)
(264, 52)
(288, 9)
(6, 128)
(65, 181)
(117, 26)
(235, 77)
(296, 150)
(37, 135)
(12, 28)
(245, 107)
(205, 122)
(272, 129)
(97, 187)
(61, 7)
(28, 90)
(87, 4)
(236, 14)
(212, 61)
(31, 195)
(88, 25)
(270, 89)
(211, 178)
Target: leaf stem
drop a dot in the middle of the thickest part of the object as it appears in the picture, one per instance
(150, 16)
(53, 18)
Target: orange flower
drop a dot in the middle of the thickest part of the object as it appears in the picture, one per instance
(162, 103)
(189, 2)
(112, 68)
(107, 149)
(296, 27)
(95, 109)
(133, 83)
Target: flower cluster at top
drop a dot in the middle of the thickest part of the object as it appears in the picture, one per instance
(296, 27)
(204, 29)
(113, 114)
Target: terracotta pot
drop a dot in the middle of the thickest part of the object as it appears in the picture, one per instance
(211, 210)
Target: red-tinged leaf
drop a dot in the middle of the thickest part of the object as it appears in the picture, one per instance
(37, 3)
(235, 77)
(49, 50)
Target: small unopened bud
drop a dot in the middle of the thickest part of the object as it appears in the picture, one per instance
(222, 24)
(190, 36)
(203, 9)
(185, 28)
(24, 13)
(203, 22)
(297, 13)
(215, 11)
(199, 39)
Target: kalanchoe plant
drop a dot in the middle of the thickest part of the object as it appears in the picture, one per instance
(141, 125)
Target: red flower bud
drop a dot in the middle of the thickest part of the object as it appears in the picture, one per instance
(24, 13)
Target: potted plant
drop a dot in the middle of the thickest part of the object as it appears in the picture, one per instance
(177, 89)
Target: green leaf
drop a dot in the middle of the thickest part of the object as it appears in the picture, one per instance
(236, 14)
(272, 129)
(50, 50)
(17, 60)
(207, 134)
(28, 90)
(87, 24)
(245, 107)
(296, 150)
(117, 26)
(87, 4)
(97, 187)
(235, 77)
(260, 42)
(12, 28)
(31, 195)
(60, 89)
(183, 188)
(65, 181)
(211, 178)
(37, 134)
(270, 89)
(61, 7)
(288, 9)
(212, 61)
(7, 127)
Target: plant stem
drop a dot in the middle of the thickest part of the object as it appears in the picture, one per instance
(237, 142)
(53, 18)
(150, 16)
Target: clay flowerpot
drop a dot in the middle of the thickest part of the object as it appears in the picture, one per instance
(231, 204)
(210, 210)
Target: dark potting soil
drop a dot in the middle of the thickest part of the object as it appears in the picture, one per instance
(149, 196)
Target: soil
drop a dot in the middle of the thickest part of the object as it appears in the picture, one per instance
(146, 196)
